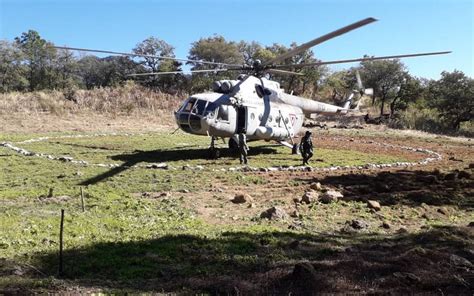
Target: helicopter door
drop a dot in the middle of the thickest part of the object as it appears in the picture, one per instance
(241, 118)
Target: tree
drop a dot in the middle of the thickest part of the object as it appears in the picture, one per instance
(13, 74)
(108, 71)
(38, 54)
(453, 97)
(410, 90)
(157, 47)
(213, 49)
(386, 77)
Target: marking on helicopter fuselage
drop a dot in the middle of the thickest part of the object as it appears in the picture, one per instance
(293, 119)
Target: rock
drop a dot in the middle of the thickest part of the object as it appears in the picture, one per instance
(316, 186)
(425, 216)
(442, 211)
(161, 165)
(402, 230)
(386, 225)
(354, 226)
(297, 200)
(274, 213)
(294, 214)
(242, 198)
(372, 204)
(251, 205)
(330, 196)
(184, 191)
(358, 224)
(450, 176)
(459, 261)
(471, 224)
(309, 197)
(65, 158)
(464, 175)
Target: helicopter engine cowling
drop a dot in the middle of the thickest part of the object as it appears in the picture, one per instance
(268, 133)
(224, 86)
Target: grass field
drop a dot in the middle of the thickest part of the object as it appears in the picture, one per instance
(175, 229)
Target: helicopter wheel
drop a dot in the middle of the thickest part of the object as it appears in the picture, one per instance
(214, 153)
(295, 149)
(233, 146)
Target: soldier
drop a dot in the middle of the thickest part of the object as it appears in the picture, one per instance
(243, 148)
(306, 147)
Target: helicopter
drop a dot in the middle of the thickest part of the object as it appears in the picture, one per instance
(255, 104)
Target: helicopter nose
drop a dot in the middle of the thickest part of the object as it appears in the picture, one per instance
(191, 123)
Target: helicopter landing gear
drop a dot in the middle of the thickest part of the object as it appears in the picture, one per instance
(214, 153)
(295, 149)
(233, 145)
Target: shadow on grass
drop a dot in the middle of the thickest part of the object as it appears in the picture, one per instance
(405, 187)
(240, 262)
(138, 156)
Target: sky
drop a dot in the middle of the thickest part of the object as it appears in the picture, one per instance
(403, 26)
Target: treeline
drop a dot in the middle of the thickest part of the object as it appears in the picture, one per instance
(30, 63)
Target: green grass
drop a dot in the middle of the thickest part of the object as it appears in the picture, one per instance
(130, 239)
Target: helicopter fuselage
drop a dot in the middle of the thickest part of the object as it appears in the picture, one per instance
(257, 105)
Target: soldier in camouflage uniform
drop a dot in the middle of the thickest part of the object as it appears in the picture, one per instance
(243, 148)
(306, 147)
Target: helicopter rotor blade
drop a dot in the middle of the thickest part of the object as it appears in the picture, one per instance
(144, 56)
(319, 40)
(278, 71)
(363, 59)
(177, 72)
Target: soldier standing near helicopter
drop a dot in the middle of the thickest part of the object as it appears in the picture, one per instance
(243, 148)
(306, 147)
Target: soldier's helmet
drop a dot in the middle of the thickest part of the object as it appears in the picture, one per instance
(308, 133)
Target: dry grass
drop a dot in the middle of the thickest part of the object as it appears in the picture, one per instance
(129, 99)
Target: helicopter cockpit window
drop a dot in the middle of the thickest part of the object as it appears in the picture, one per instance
(199, 107)
(223, 113)
(210, 109)
(189, 105)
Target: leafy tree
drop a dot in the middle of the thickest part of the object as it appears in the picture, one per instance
(410, 90)
(38, 54)
(386, 77)
(453, 97)
(213, 49)
(108, 71)
(13, 74)
(156, 47)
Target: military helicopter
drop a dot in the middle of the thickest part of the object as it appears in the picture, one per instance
(256, 104)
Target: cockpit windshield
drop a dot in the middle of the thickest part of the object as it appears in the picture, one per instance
(194, 106)
(199, 107)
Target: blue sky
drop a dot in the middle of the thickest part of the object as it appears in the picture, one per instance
(404, 26)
